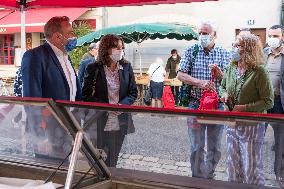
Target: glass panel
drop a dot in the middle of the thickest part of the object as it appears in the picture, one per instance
(212, 146)
(33, 133)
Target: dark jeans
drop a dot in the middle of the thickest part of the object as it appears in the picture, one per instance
(205, 145)
(175, 91)
(279, 139)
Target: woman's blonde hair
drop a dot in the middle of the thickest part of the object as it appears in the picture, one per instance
(251, 53)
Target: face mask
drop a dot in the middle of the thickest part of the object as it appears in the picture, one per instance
(71, 44)
(205, 40)
(116, 55)
(236, 54)
(273, 42)
(174, 57)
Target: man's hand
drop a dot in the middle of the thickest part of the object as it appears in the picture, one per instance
(224, 98)
(239, 108)
(205, 84)
(216, 70)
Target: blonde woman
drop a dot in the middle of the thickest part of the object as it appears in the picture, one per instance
(247, 82)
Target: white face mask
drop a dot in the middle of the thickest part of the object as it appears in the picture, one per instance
(116, 55)
(205, 40)
(174, 56)
(273, 42)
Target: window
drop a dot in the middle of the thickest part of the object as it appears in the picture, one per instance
(41, 38)
(7, 49)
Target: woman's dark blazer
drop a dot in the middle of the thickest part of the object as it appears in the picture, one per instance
(128, 89)
(112, 141)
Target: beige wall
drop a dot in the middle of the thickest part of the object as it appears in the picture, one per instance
(227, 14)
(94, 13)
(17, 39)
(35, 40)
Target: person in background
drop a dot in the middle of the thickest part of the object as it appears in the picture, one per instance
(87, 58)
(18, 84)
(247, 85)
(275, 65)
(204, 158)
(92, 51)
(157, 75)
(114, 84)
(18, 92)
(171, 69)
(47, 72)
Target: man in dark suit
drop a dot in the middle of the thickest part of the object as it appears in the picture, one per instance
(46, 70)
(47, 73)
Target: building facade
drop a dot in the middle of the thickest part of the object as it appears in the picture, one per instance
(228, 15)
(10, 36)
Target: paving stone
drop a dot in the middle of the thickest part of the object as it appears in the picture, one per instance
(184, 173)
(151, 159)
(129, 161)
(221, 169)
(221, 176)
(272, 183)
(125, 156)
(166, 161)
(182, 164)
(136, 157)
(138, 162)
(153, 164)
(270, 177)
(122, 160)
(120, 155)
(171, 172)
(127, 166)
(184, 169)
(169, 167)
(155, 169)
(141, 168)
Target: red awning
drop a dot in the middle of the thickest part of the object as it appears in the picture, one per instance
(10, 21)
(88, 3)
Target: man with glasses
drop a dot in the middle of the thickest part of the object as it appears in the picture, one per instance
(205, 139)
(275, 66)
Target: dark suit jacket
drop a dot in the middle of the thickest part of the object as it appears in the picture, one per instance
(43, 75)
(128, 89)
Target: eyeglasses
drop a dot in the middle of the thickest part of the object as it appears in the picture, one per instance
(236, 45)
(203, 33)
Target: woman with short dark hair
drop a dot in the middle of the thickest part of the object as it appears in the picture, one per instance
(115, 81)
(110, 79)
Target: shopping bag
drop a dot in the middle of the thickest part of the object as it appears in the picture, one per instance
(209, 100)
(168, 98)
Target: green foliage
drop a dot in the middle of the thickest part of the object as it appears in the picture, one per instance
(80, 30)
